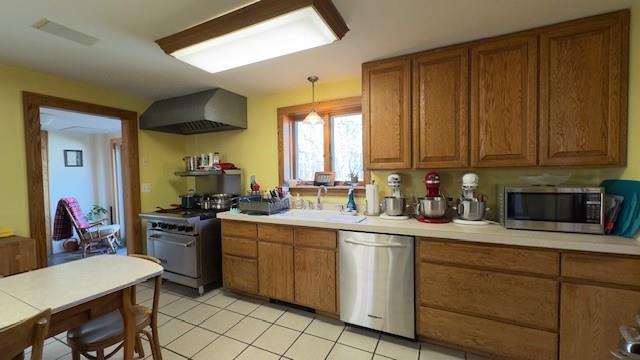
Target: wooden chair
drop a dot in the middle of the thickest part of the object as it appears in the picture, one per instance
(31, 332)
(107, 330)
(93, 233)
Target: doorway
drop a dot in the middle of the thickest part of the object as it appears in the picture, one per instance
(129, 167)
(78, 163)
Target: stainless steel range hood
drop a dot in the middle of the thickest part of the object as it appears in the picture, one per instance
(206, 111)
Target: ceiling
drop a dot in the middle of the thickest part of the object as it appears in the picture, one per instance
(76, 122)
(127, 59)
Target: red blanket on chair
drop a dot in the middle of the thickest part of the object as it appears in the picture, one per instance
(62, 224)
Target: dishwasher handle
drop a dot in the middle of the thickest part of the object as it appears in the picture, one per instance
(372, 244)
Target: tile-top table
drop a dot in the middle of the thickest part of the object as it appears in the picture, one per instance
(76, 292)
(13, 310)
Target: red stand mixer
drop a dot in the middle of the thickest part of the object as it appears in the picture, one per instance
(432, 207)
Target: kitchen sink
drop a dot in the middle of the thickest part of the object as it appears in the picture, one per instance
(320, 215)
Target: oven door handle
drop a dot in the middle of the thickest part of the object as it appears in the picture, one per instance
(158, 237)
(366, 243)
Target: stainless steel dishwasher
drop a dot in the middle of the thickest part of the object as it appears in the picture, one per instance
(377, 282)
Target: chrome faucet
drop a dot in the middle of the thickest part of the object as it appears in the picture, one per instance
(319, 198)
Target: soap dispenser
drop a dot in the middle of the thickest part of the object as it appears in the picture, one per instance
(351, 201)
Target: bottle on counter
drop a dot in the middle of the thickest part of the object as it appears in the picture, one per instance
(216, 158)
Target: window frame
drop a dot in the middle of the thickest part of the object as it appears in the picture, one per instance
(288, 116)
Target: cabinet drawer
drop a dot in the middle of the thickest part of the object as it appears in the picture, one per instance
(315, 238)
(494, 257)
(240, 273)
(488, 336)
(602, 268)
(239, 247)
(521, 299)
(275, 233)
(239, 228)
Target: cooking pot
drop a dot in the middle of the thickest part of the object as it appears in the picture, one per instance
(190, 163)
(189, 200)
(216, 202)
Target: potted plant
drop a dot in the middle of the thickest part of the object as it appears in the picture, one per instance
(97, 213)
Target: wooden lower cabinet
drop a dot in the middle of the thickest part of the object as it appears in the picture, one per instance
(315, 278)
(240, 273)
(17, 254)
(488, 336)
(524, 300)
(275, 270)
(590, 317)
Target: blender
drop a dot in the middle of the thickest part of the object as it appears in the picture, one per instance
(471, 206)
(432, 207)
(393, 207)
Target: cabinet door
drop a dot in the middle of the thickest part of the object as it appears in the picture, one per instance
(386, 107)
(441, 109)
(504, 102)
(315, 278)
(240, 274)
(583, 88)
(275, 270)
(590, 317)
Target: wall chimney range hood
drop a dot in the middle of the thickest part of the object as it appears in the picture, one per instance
(207, 111)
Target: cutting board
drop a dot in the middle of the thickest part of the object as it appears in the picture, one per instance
(627, 219)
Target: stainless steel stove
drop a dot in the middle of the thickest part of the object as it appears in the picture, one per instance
(188, 244)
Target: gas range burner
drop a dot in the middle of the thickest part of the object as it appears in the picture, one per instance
(186, 213)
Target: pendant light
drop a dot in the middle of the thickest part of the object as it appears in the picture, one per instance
(313, 118)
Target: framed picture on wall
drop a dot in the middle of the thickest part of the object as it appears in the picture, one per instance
(73, 158)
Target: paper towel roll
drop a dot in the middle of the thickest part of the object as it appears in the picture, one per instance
(371, 197)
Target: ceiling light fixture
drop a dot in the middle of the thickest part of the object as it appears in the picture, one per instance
(313, 118)
(64, 32)
(262, 30)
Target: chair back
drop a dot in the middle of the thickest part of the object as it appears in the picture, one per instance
(156, 287)
(79, 221)
(31, 332)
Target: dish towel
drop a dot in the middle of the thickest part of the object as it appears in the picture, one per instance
(6, 232)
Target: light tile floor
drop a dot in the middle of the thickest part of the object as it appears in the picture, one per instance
(220, 325)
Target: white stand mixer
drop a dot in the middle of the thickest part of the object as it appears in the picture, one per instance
(471, 206)
(393, 207)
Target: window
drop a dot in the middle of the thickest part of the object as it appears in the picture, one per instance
(335, 146)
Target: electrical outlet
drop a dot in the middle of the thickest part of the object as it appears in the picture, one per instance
(146, 188)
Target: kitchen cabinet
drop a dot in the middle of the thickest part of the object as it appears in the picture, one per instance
(590, 319)
(550, 96)
(17, 254)
(441, 108)
(316, 269)
(315, 278)
(275, 270)
(491, 299)
(583, 91)
(504, 87)
(240, 273)
(386, 110)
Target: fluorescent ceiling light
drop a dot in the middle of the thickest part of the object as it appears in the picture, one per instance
(262, 30)
(289, 33)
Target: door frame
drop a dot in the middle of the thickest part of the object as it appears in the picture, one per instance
(130, 166)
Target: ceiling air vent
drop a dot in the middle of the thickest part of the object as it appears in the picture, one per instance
(64, 32)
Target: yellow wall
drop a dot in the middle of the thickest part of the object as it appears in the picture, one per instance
(162, 152)
(255, 149)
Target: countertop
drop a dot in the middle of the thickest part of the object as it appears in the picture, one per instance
(493, 234)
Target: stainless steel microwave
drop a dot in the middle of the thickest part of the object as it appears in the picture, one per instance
(552, 208)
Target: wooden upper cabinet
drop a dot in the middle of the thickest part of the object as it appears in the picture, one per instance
(441, 108)
(504, 101)
(386, 108)
(583, 91)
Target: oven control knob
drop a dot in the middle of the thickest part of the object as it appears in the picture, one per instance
(163, 225)
(180, 227)
(171, 226)
(154, 225)
(188, 229)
